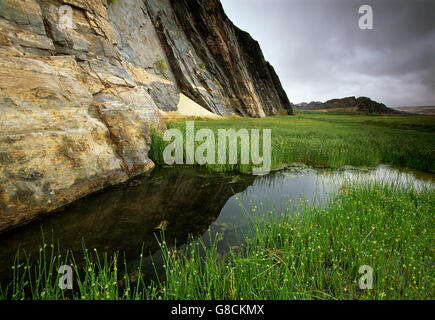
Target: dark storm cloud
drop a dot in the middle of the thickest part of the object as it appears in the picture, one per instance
(320, 53)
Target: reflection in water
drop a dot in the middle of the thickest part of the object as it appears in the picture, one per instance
(285, 189)
(181, 201)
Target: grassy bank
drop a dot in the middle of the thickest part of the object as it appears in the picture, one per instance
(312, 253)
(333, 141)
(317, 253)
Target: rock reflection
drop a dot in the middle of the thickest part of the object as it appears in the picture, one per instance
(179, 200)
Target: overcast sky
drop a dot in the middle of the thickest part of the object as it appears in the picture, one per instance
(320, 53)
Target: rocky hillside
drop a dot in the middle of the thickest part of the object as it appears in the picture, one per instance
(313, 105)
(361, 104)
(81, 85)
(425, 110)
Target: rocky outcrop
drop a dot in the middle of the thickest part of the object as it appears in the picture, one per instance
(216, 64)
(362, 104)
(77, 101)
(367, 106)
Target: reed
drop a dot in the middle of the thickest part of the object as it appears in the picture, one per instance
(309, 252)
(316, 253)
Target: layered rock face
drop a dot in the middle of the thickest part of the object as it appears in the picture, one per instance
(77, 101)
(215, 63)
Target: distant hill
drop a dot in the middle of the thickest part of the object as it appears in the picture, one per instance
(427, 110)
(361, 104)
(308, 106)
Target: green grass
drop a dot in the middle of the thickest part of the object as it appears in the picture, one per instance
(317, 253)
(329, 140)
(311, 253)
(95, 277)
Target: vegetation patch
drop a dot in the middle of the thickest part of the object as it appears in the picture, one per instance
(333, 141)
(161, 65)
(309, 253)
(316, 253)
(202, 66)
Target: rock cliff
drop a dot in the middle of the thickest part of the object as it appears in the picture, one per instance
(82, 82)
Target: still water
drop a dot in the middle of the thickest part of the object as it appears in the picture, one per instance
(183, 201)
